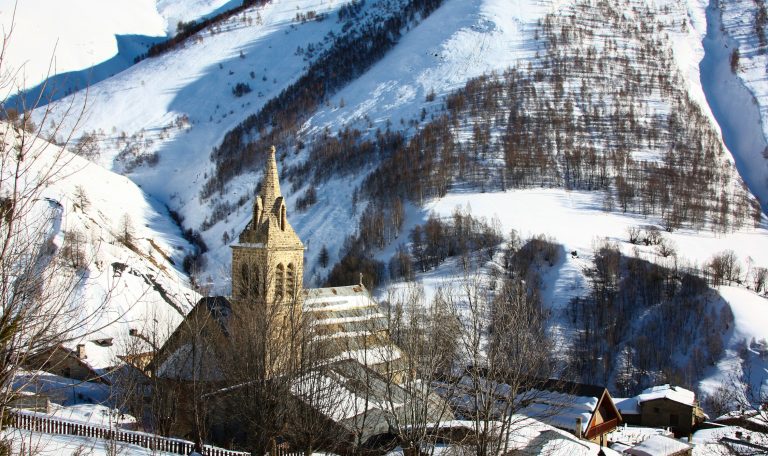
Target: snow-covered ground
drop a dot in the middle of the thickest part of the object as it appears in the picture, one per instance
(707, 441)
(746, 346)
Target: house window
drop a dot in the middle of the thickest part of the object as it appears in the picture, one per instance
(656, 410)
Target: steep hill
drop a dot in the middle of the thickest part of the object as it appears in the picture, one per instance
(118, 245)
(383, 111)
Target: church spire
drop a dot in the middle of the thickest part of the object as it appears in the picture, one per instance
(269, 253)
(270, 189)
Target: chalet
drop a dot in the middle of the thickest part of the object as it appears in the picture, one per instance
(586, 410)
(67, 363)
(664, 406)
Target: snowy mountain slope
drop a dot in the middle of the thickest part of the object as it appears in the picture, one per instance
(744, 25)
(461, 40)
(187, 102)
(76, 44)
(119, 243)
(71, 36)
(179, 106)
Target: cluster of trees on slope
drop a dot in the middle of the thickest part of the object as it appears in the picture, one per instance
(473, 240)
(761, 20)
(278, 121)
(646, 323)
(615, 119)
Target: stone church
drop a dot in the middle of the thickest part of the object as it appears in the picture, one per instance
(348, 328)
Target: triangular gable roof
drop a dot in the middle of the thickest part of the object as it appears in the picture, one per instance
(217, 307)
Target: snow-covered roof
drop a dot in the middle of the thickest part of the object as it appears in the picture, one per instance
(529, 436)
(632, 435)
(672, 393)
(360, 400)
(555, 408)
(560, 409)
(627, 405)
(658, 445)
(314, 295)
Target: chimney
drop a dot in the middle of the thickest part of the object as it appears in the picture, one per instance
(361, 279)
(80, 351)
(578, 428)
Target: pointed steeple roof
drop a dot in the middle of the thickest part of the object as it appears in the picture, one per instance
(269, 226)
(270, 189)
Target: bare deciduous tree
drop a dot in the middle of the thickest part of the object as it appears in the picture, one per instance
(506, 356)
(39, 305)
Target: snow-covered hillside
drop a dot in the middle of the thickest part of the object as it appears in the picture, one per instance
(85, 41)
(577, 221)
(118, 243)
(639, 99)
(734, 77)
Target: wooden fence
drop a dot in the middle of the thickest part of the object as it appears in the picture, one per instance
(50, 425)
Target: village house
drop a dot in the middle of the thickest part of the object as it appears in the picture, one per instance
(68, 363)
(586, 410)
(663, 406)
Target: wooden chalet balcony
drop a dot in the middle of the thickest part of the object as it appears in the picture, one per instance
(602, 428)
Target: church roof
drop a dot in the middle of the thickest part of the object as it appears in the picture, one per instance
(351, 326)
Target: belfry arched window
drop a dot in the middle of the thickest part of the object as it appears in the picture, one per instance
(290, 279)
(280, 281)
(250, 282)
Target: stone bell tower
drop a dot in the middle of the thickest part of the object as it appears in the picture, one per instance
(268, 260)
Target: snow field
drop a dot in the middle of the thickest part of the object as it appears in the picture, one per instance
(70, 36)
